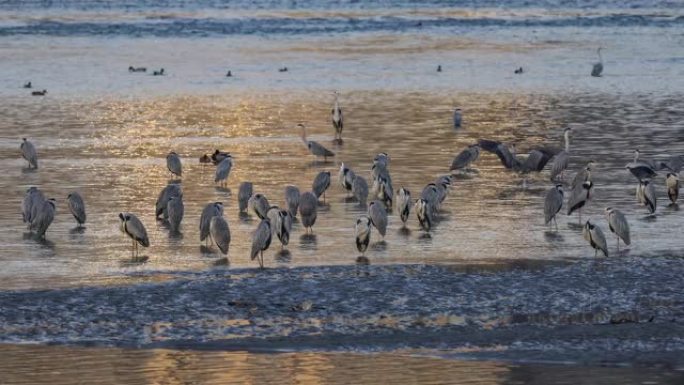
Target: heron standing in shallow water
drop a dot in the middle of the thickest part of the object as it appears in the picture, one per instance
(579, 198)
(292, 200)
(424, 214)
(617, 222)
(594, 235)
(378, 217)
(337, 119)
(346, 178)
(562, 158)
(646, 195)
(321, 183)
(171, 190)
(672, 183)
(360, 189)
(28, 152)
(641, 169)
(134, 228)
(44, 217)
(597, 70)
(77, 207)
(33, 199)
(465, 157)
(284, 227)
(175, 210)
(220, 233)
(261, 240)
(223, 170)
(260, 205)
(553, 204)
(404, 204)
(211, 210)
(173, 163)
(362, 231)
(308, 210)
(314, 147)
(244, 193)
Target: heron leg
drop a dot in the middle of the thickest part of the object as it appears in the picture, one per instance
(261, 259)
(580, 216)
(555, 222)
(618, 243)
(595, 253)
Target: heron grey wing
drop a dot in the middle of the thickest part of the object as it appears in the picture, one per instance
(168, 192)
(205, 220)
(552, 204)
(618, 222)
(321, 183)
(641, 170)
(318, 149)
(292, 199)
(44, 217)
(77, 207)
(378, 216)
(28, 151)
(560, 164)
(579, 178)
(137, 230)
(599, 239)
(37, 200)
(223, 169)
(308, 208)
(507, 159)
(360, 189)
(173, 163)
(597, 69)
(261, 238)
(650, 196)
(220, 233)
(489, 145)
(533, 161)
(577, 199)
(175, 210)
(273, 215)
(244, 193)
(462, 160)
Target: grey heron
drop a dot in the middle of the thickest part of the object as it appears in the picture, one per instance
(647, 196)
(385, 191)
(244, 193)
(673, 164)
(44, 217)
(641, 169)
(382, 159)
(77, 207)
(360, 189)
(292, 200)
(594, 235)
(220, 233)
(261, 240)
(33, 199)
(430, 194)
(553, 204)
(173, 163)
(424, 214)
(28, 152)
(308, 210)
(321, 183)
(337, 122)
(175, 209)
(346, 177)
(378, 217)
(582, 175)
(134, 228)
(273, 215)
(579, 198)
(27, 85)
(171, 190)
(315, 148)
(404, 204)
(284, 227)
(223, 170)
(536, 160)
(362, 232)
(458, 118)
(617, 222)
(597, 69)
(465, 157)
(672, 183)
(218, 156)
(260, 205)
(562, 158)
(211, 210)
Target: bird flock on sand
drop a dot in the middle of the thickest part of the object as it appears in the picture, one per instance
(38, 212)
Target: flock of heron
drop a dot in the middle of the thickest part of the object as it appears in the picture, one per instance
(39, 212)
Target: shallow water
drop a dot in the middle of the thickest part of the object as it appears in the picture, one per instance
(105, 132)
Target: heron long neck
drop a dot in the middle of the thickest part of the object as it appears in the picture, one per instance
(303, 135)
(336, 109)
(636, 156)
(567, 141)
(599, 55)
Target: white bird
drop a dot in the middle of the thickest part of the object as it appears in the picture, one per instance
(553, 204)
(77, 207)
(617, 222)
(404, 204)
(44, 217)
(244, 193)
(173, 163)
(175, 209)
(594, 235)
(223, 170)
(598, 67)
(314, 147)
(308, 210)
(220, 233)
(378, 217)
(337, 122)
(211, 210)
(292, 200)
(562, 158)
(134, 228)
(672, 183)
(28, 152)
(362, 232)
(261, 240)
